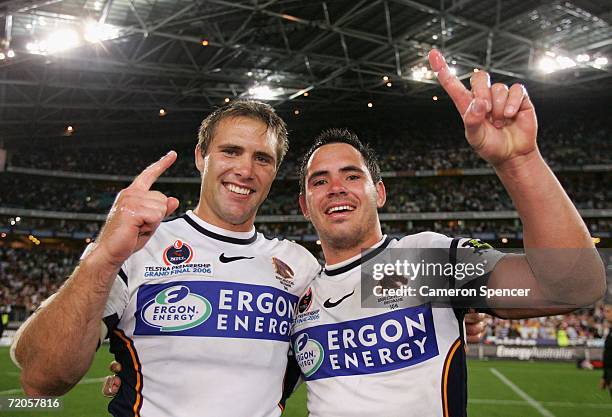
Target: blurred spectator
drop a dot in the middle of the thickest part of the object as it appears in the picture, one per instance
(29, 276)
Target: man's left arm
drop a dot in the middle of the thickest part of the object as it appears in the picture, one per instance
(561, 267)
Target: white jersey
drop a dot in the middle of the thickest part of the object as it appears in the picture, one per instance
(391, 361)
(200, 320)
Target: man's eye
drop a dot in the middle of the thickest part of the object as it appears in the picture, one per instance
(230, 151)
(263, 159)
(353, 177)
(318, 182)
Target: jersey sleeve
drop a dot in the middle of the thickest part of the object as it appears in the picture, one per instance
(457, 252)
(306, 265)
(292, 379)
(467, 262)
(311, 266)
(115, 305)
(474, 252)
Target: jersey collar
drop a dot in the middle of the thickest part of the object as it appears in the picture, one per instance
(355, 261)
(214, 232)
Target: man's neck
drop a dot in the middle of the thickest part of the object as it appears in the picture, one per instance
(203, 213)
(336, 255)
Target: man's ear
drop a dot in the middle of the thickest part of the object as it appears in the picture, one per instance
(303, 206)
(199, 159)
(381, 198)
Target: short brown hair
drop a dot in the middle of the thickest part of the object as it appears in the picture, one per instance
(246, 108)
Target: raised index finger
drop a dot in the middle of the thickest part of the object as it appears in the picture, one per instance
(147, 178)
(460, 95)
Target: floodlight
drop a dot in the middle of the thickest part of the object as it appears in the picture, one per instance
(98, 32)
(600, 62)
(263, 92)
(565, 62)
(583, 58)
(548, 65)
(62, 40)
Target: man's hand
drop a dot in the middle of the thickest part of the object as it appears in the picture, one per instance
(135, 215)
(474, 326)
(112, 382)
(603, 384)
(500, 123)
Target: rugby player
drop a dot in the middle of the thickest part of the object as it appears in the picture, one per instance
(201, 297)
(198, 308)
(400, 360)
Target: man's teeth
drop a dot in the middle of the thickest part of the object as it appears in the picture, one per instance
(340, 208)
(239, 190)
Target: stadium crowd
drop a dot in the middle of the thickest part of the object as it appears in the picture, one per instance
(410, 145)
(562, 330)
(29, 276)
(434, 194)
(485, 229)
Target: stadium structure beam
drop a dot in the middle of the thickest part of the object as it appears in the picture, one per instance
(323, 59)
(358, 34)
(467, 22)
(105, 10)
(355, 11)
(20, 6)
(141, 22)
(138, 63)
(127, 66)
(209, 15)
(156, 92)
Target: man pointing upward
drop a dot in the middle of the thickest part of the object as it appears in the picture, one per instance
(198, 308)
(405, 358)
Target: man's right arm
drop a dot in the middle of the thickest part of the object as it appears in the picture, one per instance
(57, 345)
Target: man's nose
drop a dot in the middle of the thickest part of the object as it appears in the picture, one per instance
(336, 187)
(244, 167)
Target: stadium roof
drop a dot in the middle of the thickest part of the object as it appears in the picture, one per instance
(187, 57)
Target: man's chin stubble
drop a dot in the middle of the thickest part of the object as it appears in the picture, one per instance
(346, 241)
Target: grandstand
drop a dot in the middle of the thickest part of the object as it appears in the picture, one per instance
(78, 121)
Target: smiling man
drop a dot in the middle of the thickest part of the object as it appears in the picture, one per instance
(405, 358)
(199, 308)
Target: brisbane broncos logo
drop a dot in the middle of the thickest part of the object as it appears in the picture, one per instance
(282, 269)
(283, 273)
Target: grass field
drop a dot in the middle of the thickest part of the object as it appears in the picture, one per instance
(497, 389)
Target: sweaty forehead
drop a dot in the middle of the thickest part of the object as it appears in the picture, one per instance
(335, 155)
(245, 128)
